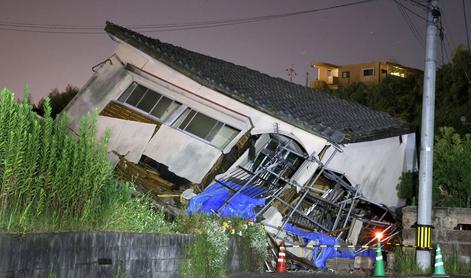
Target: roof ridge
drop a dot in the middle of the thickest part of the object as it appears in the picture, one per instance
(278, 97)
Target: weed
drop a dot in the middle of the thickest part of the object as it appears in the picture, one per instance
(405, 263)
(52, 181)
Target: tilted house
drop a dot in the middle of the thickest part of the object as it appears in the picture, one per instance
(180, 118)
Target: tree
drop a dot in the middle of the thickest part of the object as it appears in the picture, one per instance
(58, 100)
(453, 92)
(402, 97)
(452, 165)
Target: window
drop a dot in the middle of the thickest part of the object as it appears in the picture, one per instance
(329, 72)
(149, 101)
(215, 132)
(368, 72)
(345, 74)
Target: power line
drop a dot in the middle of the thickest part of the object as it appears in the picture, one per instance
(419, 4)
(410, 24)
(466, 24)
(93, 29)
(410, 10)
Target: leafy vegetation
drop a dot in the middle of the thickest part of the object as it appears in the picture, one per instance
(402, 97)
(452, 164)
(451, 177)
(208, 255)
(51, 181)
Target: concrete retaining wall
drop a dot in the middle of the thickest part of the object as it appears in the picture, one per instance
(92, 254)
(451, 229)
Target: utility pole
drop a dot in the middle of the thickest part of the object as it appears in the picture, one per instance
(424, 213)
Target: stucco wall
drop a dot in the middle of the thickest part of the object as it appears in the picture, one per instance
(97, 92)
(262, 123)
(376, 166)
(184, 155)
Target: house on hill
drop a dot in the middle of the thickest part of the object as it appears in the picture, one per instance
(182, 119)
(371, 73)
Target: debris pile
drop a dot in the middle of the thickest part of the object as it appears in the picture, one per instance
(326, 210)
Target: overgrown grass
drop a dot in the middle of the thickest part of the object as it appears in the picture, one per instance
(405, 263)
(53, 181)
(455, 266)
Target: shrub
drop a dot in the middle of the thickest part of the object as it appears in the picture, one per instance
(207, 254)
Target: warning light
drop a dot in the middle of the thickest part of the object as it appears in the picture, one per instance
(379, 235)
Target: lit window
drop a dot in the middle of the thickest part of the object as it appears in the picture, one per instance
(215, 132)
(149, 101)
(368, 72)
(345, 74)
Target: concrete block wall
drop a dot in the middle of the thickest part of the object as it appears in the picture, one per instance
(447, 223)
(92, 254)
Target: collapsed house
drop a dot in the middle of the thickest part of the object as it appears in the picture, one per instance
(182, 120)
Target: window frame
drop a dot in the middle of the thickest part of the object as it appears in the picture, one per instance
(368, 69)
(149, 114)
(346, 74)
(190, 109)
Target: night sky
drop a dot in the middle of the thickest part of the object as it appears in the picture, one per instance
(375, 30)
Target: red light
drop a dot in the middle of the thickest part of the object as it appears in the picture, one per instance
(378, 235)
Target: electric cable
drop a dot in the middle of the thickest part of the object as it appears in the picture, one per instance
(150, 28)
(466, 24)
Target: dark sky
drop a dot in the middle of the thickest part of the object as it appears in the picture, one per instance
(372, 31)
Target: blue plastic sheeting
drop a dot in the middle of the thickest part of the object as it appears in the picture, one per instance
(321, 255)
(215, 195)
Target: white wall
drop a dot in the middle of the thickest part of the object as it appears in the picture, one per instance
(100, 89)
(376, 166)
(184, 156)
(262, 123)
(128, 138)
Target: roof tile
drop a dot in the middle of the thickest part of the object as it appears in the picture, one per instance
(315, 111)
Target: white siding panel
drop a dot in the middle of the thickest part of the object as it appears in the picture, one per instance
(184, 155)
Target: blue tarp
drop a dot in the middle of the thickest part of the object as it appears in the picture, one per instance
(214, 196)
(243, 205)
(321, 255)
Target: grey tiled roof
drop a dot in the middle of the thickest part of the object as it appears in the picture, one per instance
(317, 112)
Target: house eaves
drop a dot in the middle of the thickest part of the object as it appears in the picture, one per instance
(314, 111)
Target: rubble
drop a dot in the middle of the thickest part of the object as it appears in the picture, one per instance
(311, 167)
(327, 208)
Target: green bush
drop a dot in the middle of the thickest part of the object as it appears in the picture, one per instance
(52, 181)
(452, 164)
(408, 187)
(451, 172)
(208, 254)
